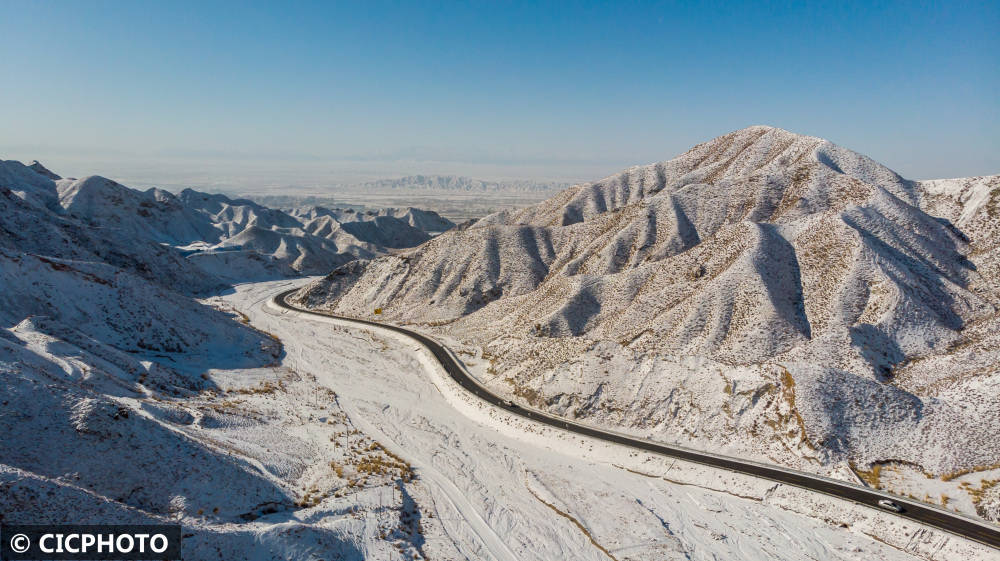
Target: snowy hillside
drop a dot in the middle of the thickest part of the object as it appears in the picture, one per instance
(193, 242)
(31, 221)
(125, 400)
(380, 228)
(425, 220)
(764, 293)
(117, 308)
(175, 418)
(232, 239)
(153, 215)
(333, 442)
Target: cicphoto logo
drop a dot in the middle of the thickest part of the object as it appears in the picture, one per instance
(90, 542)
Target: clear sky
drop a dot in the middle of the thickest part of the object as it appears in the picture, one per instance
(565, 90)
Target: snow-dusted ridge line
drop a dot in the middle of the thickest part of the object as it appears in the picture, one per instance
(959, 524)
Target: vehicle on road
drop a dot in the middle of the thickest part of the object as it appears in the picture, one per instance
(889, 505)
(507, 403)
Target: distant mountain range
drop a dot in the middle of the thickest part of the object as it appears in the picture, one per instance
(458, 183)
(765, 292)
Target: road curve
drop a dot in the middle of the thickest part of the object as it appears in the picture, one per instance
(939, 518)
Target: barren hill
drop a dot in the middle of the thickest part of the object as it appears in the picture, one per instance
(760, 293)
(234, 239)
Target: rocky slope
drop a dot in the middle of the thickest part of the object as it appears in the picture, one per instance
(764, 293)
(388, 228)
(428, 221)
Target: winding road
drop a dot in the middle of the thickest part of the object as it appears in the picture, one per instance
(926, 514)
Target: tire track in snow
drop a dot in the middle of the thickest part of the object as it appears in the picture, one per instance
(480, 528)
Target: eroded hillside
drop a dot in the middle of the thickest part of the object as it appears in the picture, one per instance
(765, 293)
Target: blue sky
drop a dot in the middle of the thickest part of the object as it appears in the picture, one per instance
(564, 90)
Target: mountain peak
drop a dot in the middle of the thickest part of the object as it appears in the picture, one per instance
(39, 168)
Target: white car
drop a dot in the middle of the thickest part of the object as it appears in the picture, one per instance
(889, 505)
(506, 403)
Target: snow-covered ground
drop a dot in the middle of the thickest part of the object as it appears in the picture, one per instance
(124, 401)
(491, 487)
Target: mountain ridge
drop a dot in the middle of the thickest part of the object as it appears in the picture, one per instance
(234, 239)
(783, 257)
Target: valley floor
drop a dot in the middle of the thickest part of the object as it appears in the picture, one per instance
(488, 488)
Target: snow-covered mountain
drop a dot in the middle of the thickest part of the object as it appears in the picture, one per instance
(177, 412)
(100, 262)
(388, 228)
(110, 371)
(428, 221)
(423, 220)
(82, 328)
(85, 269)
(766, 293)
(32, 221)
(233, 239)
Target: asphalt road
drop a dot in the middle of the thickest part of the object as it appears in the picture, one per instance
(926, 514)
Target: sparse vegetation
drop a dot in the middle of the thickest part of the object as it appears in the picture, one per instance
(873, 476)
(974, 469)
(976, 494)
(993, 206)
(264, 387)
